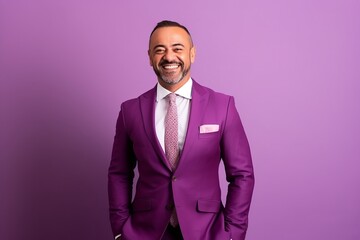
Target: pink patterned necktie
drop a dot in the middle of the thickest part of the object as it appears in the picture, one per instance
(171, 142)
(171, 132)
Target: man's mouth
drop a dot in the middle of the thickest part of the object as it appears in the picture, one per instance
(171, 66)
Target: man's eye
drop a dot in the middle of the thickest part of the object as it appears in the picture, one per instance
(178, 49)
(159, 51)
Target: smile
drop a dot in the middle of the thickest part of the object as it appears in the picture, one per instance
(170, 66)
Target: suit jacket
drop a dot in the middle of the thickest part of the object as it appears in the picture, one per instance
(193, 188)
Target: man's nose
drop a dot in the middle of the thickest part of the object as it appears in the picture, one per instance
(169, 56)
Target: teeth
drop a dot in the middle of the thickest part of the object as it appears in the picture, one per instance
(171, 66)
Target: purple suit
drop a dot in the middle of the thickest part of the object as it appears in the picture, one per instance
(193, 188)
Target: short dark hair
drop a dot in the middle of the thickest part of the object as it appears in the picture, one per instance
(168, 23)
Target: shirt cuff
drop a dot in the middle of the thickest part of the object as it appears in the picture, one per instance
(117, 236)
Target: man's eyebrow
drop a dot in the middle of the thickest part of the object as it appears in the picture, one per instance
(177, 45)
(174, 45)
(159, 46)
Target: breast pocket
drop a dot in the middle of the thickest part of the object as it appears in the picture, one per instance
(209, 130)
(209, 135)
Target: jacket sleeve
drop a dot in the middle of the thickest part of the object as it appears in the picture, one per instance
(120, 176)
(239, 173)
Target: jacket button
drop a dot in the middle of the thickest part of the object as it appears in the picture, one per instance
(173, 178)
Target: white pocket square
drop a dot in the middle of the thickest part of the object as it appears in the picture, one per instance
(209, 128)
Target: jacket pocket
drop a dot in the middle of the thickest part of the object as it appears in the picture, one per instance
(210, 206)
(142, 204)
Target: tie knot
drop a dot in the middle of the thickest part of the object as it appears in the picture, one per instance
(172, 97)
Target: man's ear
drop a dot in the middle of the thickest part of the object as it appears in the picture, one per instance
(150, 58)
(192, 54)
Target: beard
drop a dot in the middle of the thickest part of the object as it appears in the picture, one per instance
(168, 76)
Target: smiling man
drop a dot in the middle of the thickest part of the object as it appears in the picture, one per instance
(177, 133)
(171, 53)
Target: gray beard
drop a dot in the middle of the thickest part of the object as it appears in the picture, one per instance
(171, 80)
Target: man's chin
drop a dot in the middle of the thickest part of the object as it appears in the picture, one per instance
(171, 81)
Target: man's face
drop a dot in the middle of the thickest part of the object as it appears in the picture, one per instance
(171, 54)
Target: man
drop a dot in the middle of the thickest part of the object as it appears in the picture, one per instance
(177, 133)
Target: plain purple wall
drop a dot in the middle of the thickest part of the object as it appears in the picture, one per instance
(293, 67)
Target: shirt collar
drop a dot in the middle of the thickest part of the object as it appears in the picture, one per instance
(184, 91)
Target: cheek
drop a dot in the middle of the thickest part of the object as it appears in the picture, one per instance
(185, 59)
(158, 58)
(154, 61)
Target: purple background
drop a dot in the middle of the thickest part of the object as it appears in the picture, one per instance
(293, 66)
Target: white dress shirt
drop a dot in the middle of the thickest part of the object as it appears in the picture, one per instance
(183, 97)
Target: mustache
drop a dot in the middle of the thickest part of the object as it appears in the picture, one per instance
(163, 62)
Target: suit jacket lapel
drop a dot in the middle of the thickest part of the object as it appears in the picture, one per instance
(199, 100)
(147, 106)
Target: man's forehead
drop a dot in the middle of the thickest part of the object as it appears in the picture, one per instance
(173, 34)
